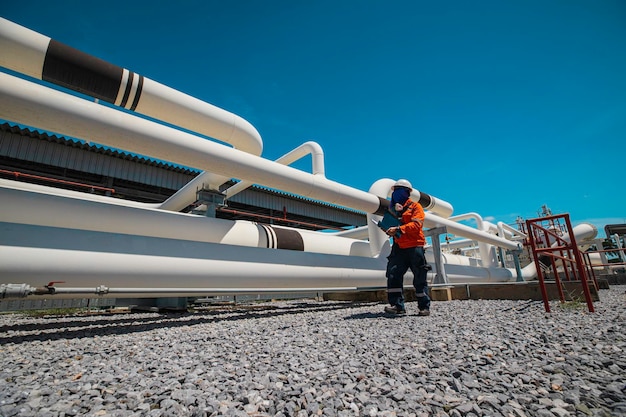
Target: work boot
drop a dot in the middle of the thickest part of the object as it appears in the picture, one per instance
(395, 310)
(424, 313)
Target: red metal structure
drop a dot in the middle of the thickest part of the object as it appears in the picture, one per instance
(555, 251)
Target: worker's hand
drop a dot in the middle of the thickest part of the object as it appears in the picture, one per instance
(392, 231)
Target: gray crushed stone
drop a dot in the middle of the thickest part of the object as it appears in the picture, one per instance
(310, 358)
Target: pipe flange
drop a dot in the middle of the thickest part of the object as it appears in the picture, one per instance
(15, 290)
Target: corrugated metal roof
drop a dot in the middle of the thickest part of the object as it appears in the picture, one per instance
(28, 145)
(40, 147)
(100, 149)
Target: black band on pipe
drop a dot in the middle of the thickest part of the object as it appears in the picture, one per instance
(129, 86)
(383, 205)
(137, 94)
(288, 239)
(425, 200)
(544, 260)
(268, 235)
(78, 71)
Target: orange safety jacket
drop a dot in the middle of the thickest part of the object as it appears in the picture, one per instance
(411, 224)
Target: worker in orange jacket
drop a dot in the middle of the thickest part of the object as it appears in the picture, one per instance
(407, 251)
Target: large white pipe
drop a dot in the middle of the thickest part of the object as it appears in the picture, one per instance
(41, 57)
(504, 230)
(287, 270)
(153, 267)
(31, 104)
(151, 275)
(25, 207)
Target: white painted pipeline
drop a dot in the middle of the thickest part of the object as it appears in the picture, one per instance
(31, 104)
(379, 241)
(487, 252)
(361, 232)
(458, 229)
(215, 268)
(93, 269)
(307, 148)
(26, 207)
(583, 232)
(38, 56)
(187, 195)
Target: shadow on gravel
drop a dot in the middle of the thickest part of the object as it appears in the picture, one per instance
(369, 315)
(60, 328)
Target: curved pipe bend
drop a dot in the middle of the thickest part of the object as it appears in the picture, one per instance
(307, 148)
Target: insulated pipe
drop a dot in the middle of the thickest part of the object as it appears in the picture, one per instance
(74, 214)
(379, 241)
(31, 104)
(187, 195)
(41, 57)
(151, 276)
(28, 103)
(286, 270)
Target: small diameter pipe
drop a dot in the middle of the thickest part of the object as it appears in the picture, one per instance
(307, 148)
(487, 252)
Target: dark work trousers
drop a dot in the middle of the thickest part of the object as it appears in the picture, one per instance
(399, 261)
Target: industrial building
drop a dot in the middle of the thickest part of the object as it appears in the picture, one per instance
(38, 157)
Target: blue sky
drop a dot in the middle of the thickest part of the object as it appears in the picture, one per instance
(498, 107)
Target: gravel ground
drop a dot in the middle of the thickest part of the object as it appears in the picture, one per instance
(310, 358)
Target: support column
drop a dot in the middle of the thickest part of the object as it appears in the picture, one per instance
(434, 233)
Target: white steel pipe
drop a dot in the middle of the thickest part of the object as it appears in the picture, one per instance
(93, 269)
(25, 207)
(153, 276)
(31, 104)
(41, 57)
